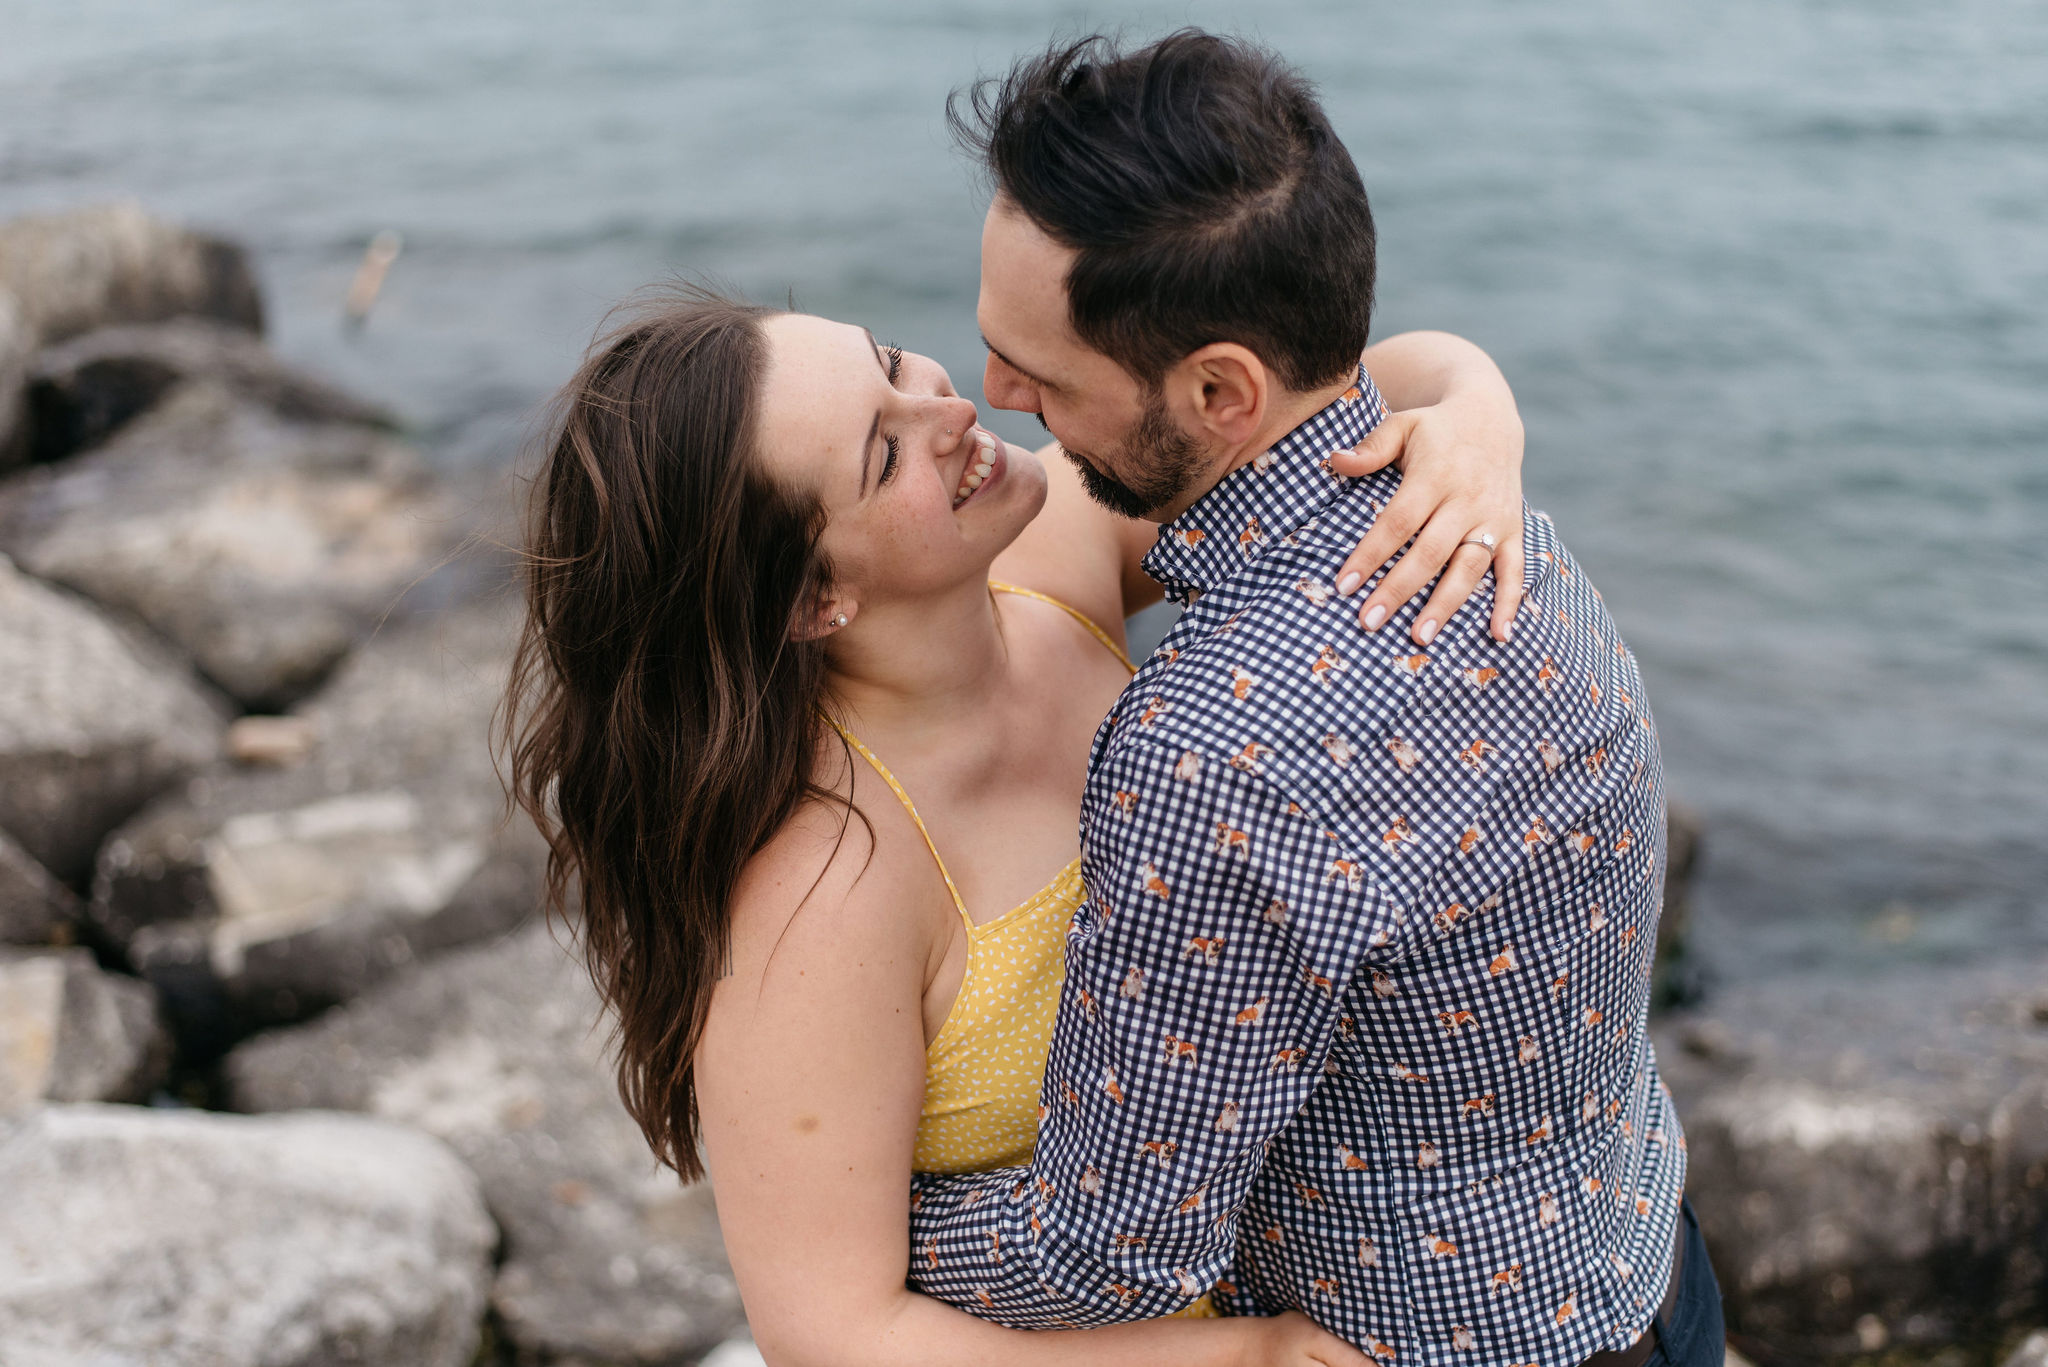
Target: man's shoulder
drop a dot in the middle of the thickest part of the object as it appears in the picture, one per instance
(1393, 746)
(1272, 672)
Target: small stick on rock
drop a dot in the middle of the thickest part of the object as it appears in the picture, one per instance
(377, 259)
(281, 742)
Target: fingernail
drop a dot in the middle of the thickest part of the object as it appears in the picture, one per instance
(1375, 617)
(1506, 632)
(1348, 585)
(1427, 633)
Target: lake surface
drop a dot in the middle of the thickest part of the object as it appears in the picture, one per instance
(1770, 279)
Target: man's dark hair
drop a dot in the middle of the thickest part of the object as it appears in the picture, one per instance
(1204, 191)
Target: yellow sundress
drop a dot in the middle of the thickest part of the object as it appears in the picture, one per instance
(984, 1070)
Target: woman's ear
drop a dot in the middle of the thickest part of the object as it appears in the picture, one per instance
(822, 619)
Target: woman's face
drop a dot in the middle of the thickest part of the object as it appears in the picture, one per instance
(895, 456)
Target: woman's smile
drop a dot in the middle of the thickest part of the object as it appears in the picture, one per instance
(986, 462)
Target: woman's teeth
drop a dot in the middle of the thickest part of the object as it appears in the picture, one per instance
(981, 469)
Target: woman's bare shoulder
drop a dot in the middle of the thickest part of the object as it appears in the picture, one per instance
(823, 881)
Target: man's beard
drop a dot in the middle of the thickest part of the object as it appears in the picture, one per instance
(1165, 459)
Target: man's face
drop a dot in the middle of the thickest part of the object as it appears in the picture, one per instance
(1131, 455)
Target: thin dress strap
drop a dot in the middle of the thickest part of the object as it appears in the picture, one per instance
(1097, 632)
(1083, 618)
(910, 807)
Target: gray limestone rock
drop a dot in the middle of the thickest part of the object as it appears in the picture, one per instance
(35, 909)
(70, 1032)
(262, 895)
(64, 274)
(737, 1351)
(263, 547)
(606, 1257)
(83, 390)
(140, 1238)
(94, 721)
(1869, 1158)
(113, 263)
(17, 350)
(2032, 1352)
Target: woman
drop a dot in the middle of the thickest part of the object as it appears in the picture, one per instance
(816, 785)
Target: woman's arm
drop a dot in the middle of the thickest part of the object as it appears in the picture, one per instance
(1455, 430)
(810, 1080)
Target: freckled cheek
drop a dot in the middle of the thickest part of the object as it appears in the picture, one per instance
(929, 509)
(910, 536)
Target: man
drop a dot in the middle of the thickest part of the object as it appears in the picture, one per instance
(1356, 1021)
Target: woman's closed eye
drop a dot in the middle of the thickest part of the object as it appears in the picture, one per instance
(892, 448)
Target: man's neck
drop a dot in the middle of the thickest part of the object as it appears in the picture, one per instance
(1289, 410)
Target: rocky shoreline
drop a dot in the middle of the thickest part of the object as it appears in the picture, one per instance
(254, 869)
(249, 652)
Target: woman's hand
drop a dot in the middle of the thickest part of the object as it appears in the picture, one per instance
(1461, 479)
(1295, 1340)
(1460, 450)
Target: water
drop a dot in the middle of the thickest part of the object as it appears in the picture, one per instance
(1769, 278)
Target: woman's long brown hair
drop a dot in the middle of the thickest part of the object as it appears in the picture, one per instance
(661, 723)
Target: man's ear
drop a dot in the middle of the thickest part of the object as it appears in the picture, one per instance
(1222, 391)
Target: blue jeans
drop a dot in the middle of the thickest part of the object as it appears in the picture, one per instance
(1694, 1336)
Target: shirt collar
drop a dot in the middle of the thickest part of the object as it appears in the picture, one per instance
(1254, 506)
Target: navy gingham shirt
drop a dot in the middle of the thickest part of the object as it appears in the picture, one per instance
(1354, 1020)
